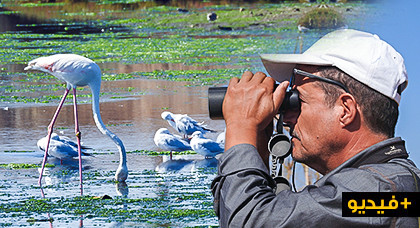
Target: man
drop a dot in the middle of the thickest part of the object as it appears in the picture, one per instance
(349, 85)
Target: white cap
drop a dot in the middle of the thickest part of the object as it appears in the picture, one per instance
(363, 56)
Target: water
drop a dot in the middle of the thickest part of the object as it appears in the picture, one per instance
(134, 121)
(131, 119)
(159, 41)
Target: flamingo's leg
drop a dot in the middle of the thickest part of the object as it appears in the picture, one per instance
(78, 136)
(50, 130)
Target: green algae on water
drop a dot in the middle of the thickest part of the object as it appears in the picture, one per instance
(159, 153)
(23, 166)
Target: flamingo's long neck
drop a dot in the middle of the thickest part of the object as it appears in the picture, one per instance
(101, 126)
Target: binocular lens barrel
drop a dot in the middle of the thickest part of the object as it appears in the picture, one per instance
(216, 95)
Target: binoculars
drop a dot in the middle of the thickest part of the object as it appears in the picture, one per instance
(279, 144)
(216, 95)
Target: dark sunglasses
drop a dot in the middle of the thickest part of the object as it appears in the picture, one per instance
(291, 100)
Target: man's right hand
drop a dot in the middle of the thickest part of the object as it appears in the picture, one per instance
(249, 107)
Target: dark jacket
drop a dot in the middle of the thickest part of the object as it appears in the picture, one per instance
(243, 190)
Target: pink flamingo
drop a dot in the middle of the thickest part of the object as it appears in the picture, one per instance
(76, 71)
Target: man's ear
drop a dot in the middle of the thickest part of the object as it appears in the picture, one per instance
(349, 109)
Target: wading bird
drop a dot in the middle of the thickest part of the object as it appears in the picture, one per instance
(204, 146)
(184, 124)
(221, 138)
(66, 140)
(167, 141)
(76, 71)
(61, 147)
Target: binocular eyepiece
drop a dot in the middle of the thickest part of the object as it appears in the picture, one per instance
(216, 96)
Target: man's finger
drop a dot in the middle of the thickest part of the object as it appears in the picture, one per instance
(246, 76)
(279, 93)
(259, 77)
(233, 81)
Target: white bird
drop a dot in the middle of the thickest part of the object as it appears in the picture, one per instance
(66, 140)
(204, 146)
(167, 141)
(184, 124)
(221, 138)
(61, 147)
(302, 28)
(76, 71)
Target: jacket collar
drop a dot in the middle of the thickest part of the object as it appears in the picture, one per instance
(381, 152)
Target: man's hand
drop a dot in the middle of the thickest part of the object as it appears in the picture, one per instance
(249, 107)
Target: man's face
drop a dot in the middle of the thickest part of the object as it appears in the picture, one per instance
(314, 128)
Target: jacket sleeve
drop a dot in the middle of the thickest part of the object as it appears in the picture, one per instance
(244, 197)
(234, 196)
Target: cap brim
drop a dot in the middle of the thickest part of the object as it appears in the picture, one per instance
(280, 66)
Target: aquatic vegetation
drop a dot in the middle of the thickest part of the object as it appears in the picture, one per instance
(134, 209)
(162, 34)
(202, 77)
(159, 153)
(17, 151)
(175, 199)
(23, 166)
(41, 99)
